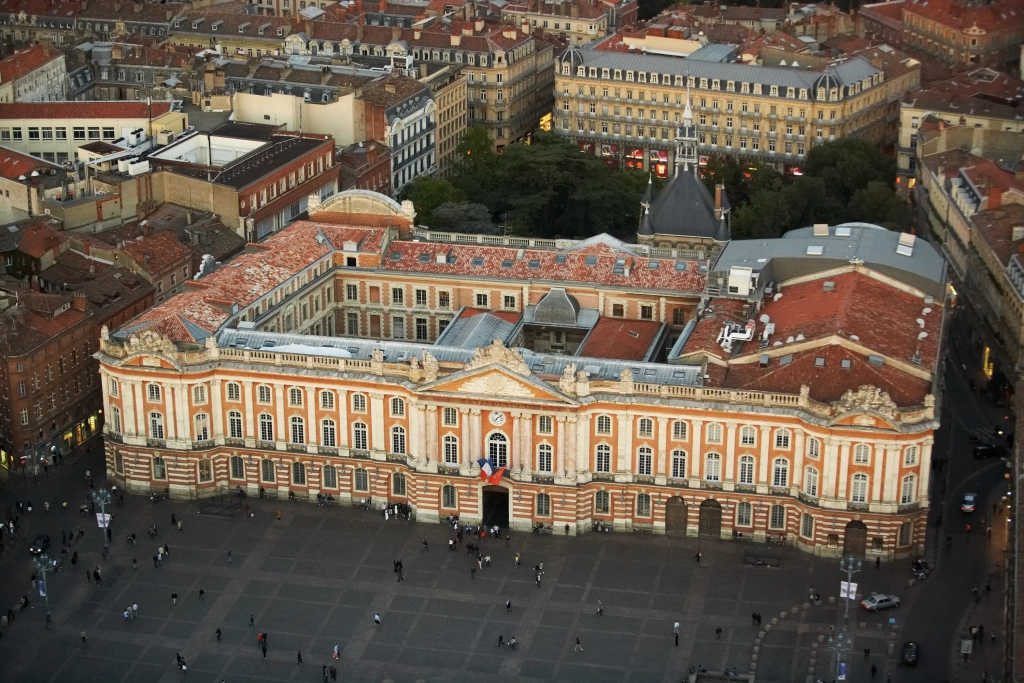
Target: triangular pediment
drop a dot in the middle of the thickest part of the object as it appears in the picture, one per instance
(496, 382)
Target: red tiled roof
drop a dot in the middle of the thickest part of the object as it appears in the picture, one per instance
(991, 18)
(81, 110)
(704, 336)
(574, 268)
(507, 316)
(25, 62)
(986, 84)
(15, 164)
(159, 253)
(30, 324)
(996, 228)
(40, 8)
(620, 339)
(893, 11)
(39, 239)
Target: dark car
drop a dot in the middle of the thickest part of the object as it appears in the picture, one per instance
(39, 545)
(989, 451)
(911, 653)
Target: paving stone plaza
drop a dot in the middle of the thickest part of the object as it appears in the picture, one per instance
(317, 577)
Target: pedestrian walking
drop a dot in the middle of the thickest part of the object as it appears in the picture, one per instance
(501, 640)
(578, 646)
(600, 609)
(753, 619)
(675, 628)
(202, 594)
(508, 605)
(299, 655)
(507, 539)
(218, 634)
(401, 576)
(229, 557)
(874, 670)
(517, 561)
(84, 637)
(425, 546)
(697, 557)
(252, 621)
(376, 620)
(135, 563)
(334, 673)
(718, 633)
(174, 598)
(135, 609)
(264, 652)
(878, 563)
(279, 515)
(335, 655)
(867, 652)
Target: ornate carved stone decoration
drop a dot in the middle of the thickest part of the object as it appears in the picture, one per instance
(626, 376)
(567, 383)
(377, 355)
(148, 341)
(496, 384)
(498, 354)
(430, 367)
(105, 333)
(867, 399)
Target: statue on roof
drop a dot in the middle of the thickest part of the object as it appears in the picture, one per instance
(498, 354)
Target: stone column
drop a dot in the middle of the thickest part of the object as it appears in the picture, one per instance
(181, 413)
(247, 411)
(476, 439)
(662, 466)
(517, 459)
(624, 457)
(924, 469)
(730, 452)
(696, 463)
(418, 444)
(313, 430)
(526, 439)
(891, 487)
(582, 459)
(843, 469)
(796, 477)
(377, 437)
(281, 433)
(829, 468)
(465, 452)
(132, 398)
(431, 429)
(559, 465)
(216, 409)
(762, 468)
(343, 427)
(572, 442)
(878, 455)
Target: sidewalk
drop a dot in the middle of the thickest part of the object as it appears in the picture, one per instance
(987, 612)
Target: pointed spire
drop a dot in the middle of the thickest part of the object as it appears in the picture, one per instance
(688, 111)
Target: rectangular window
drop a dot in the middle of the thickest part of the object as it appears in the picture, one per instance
(510, 301)
(646, 312)
(421, 329)
(398, 297)
(807, 526)
(398, 327)
(444, 300)
(421, 297)
(481, 300)
(545, 425)
(352, 292)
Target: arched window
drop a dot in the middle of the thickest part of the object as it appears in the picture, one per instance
(859, 488)
(602, 503)
(908, 489)
(153, 391)
(267, 471)
(643, 505)
(497, 449)
(713, 467)
(159, 468)
(782, 438)
(449, 497)
(361, 480)
(358, 403)
(115, 414)
(748, 436)
(398, 484)
(645, 428)
(861, 454)
(234, 392)
(298, 474)
(202, 421)
(205, 471)
(266, 427)
(813, 448)
(680, 430)
(603, 458)
(330, 477)
(543, 505)
(910, 456)
(679, 464)
(604, 424)
(328, 433)
(451, 450)
(777, 517)
(743, 516)
(398, 440)
(263, 394)
(811, 481)
(237, 467)
(397, 407)
(746, 469)
(156, 425)
(359, 436)
(327, 400)
(298, 429)
(295, 397)
(714, 433)
(544, 452)
(780, 472)
(644, 459)
(234, 424)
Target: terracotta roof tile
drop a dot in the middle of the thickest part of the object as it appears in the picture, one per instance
(15, 164)
(620, 339)
(25, 62)
(159, 253)
(991, 18)
(40, 239)
(81, 110)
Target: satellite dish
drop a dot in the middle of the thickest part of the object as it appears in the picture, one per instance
(765, 319)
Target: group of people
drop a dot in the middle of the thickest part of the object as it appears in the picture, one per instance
(397, 509)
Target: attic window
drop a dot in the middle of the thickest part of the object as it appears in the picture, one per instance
(477, 261)
(534, 264)
(653, 265)
(507, 263)
(424, 258)
(560, 258)
(786, 360)
(591, 261)
(819, 362)
(815, 251)
(843, 232)
(876, 360)
(396, 256)
(680, 266)
(846, 364)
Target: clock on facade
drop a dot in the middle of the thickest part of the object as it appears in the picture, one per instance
(497, 419)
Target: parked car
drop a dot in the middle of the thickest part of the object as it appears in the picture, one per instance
(969, 502)
(880, 601)
(911, 653)
(39, 545)
(989, 451)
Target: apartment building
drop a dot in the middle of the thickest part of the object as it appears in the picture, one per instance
(27, 22)
(37, 74)
(574, 21)
(400, 113)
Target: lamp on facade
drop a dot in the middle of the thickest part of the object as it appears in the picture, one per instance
(563, 497)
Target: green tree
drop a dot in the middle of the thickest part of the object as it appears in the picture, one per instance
(465, 217)
(848, 165)
(877, 203)
(429, 193)
(765, 215)
(476, 163)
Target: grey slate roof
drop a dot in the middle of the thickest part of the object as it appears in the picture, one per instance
(557, 307)
(684, 207)
(475, 331)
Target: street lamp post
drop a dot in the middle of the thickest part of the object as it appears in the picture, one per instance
(43, 566)
(102, 498)
(840, 644)
(851, 567)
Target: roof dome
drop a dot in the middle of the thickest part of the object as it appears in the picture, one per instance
(826, 81)
(557, 308)
(571, 56)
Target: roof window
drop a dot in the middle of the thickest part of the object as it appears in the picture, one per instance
(653, 265)
(507, 263)
(815, 250)
(560, 258)
(534, 264)
(680, 266)
(819, 362)
(846, 364)
(396, 256)
(591, 261)
(424, 258)
(477, 261)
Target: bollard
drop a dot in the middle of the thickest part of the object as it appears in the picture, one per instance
(831, 599)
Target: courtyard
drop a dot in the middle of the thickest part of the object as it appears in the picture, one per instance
(316, 577)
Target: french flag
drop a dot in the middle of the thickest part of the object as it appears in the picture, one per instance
(487, 472)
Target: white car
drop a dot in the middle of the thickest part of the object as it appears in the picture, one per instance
(968, 503)
(879, 601)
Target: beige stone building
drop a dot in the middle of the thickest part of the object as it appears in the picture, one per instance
(37, 74)
(575, 21)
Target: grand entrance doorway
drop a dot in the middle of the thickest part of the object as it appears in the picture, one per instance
(855, 540)
(496, 507)
(675, 515)
(710, 519)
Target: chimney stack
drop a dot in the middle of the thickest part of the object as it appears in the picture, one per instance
(718, 201)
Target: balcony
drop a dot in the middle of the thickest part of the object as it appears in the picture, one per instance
(156, 443)
(773, 117)
(234, 442)
(266, 445)
(203, 445)
(114, 436)
(296, 447)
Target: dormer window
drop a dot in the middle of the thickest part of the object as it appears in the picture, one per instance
(280, 32)
(774, 92)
